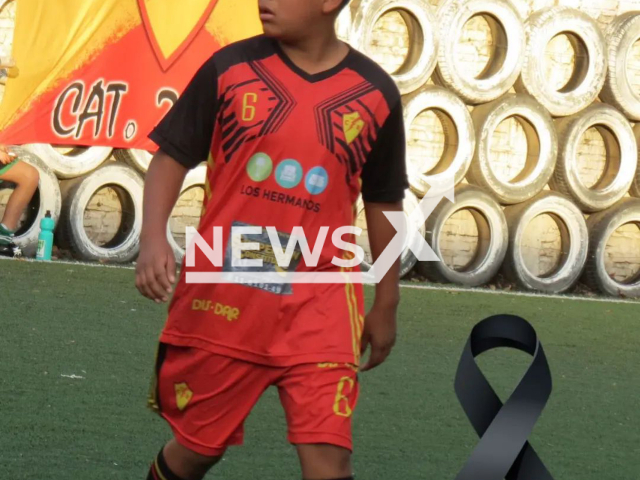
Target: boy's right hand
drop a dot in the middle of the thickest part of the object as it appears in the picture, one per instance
(156, 269)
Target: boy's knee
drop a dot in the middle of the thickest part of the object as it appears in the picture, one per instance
(25, 175)
(322, 461)
(186, 463)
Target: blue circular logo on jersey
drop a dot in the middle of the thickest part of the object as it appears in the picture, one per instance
(316, 181)
(289, 174)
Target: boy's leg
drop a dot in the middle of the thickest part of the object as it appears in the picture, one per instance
(175, 462)
(205, 398)
(325, 462)
(26, 179)
(319, 401)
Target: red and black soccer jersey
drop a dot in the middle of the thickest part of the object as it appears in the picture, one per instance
(285, 148)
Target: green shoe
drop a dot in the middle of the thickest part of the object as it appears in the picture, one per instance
(6, 236)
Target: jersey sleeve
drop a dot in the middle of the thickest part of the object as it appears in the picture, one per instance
(186, 131)
(384, 175)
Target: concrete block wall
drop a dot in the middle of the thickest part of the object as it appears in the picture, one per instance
(103, 216)
(426, 137)
(623, 253)
(105, 213)
(186, 213)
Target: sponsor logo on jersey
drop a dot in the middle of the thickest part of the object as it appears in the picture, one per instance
(219, 309)
(230, 313)
(317, 180)
(289, 173)
(239, 260)
(259, 167)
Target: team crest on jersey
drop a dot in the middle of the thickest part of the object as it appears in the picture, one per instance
(352, 125)
(171, 27)
(183, 395)
(347, 127)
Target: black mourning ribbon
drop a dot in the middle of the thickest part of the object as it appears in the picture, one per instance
(503, 450)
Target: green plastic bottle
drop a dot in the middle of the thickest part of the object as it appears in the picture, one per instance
(45, 240)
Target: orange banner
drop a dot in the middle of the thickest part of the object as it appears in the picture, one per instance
(104, 72)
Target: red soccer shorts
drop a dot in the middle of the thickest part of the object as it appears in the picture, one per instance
(206, 398)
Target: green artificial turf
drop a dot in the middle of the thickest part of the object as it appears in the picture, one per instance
(61, 319)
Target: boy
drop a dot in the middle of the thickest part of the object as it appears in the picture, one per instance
(295, 125)
(26, 180)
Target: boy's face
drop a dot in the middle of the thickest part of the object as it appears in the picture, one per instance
(294, 19)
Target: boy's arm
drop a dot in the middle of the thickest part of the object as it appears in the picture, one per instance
(156, 266)
(184, 137)
(380, 324)
(384, 181)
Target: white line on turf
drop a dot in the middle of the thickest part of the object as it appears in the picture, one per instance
(443, 288)
(72, 263)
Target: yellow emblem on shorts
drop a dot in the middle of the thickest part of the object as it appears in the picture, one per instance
(183, 395)
(352, 124)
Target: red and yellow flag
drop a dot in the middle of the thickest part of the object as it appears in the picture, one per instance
(104, 72)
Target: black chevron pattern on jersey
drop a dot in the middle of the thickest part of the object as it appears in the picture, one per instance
(234, 135)
(285, 101)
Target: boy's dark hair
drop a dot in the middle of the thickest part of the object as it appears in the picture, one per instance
(344, 4)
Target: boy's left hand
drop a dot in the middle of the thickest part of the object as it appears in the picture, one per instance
(380, 334)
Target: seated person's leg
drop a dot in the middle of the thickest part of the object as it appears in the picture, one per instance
(26, 180)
